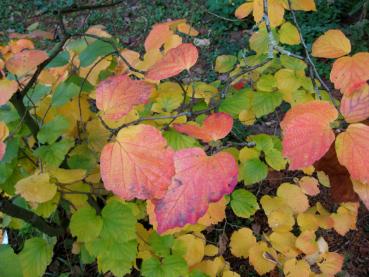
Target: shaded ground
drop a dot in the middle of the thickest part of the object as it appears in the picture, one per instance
(214, 19)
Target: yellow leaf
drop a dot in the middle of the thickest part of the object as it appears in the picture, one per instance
(211, 267)
(241, 242)
(330, 263)
(228, 273)
(187, 29)
(294, 197)
(363, 191)
(247, 117)
(36, 188)
(262, 258)
(77, 200)
(309, 170)
(295, 268)
(248, 154)
(97, 135)
(345, 218)
(67, 176)
(306, 242)
(195, 248)
(215, 213)
(211, 250)
(323, 179)
(284, 243)
(303, 5)
(332, 44)
(288, 34)
(307, 221)
(287, 80)
(281, 220)
(271, 204)
(172, 42)
(4, 131)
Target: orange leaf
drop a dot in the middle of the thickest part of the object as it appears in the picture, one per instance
(215, 127)
(199, 180)
(23, 62)
(355, 107)
(138, 165)
(117, 95)
(244, 10)
(174, 62)
(352, 148)
(309, 185)
(333, 44)
(350, 73)
(7, 89)
(307, 135)
(187, 29)
(159, 34)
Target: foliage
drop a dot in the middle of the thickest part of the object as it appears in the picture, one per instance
(135, 158)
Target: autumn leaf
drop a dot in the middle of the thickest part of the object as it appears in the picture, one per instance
(195, 248)
(187, 29)
(288, 34)
(199, 180)
(355, 107)
(138, 165)
(350, 73)
(294, 197)
(215, 127)
(309, 185)
(36, 188)
(295, 267)
(330, 263)
(244, 10)
(363, 191)
(117, 95)
(26, 61)
(241, 242)
(7, 89)
(262, 258)
(183, 57)
(307, 135)
(352, 148)
(159, 34)
(332, 44)
(4, 132)
(306, 242)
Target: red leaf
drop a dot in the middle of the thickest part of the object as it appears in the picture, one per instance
(355, 107)
(307, 135)
(159, 34)
(117, 95)
(215, 127)
(352, 148)
(26, 61)
(199, 180)
(174, 62)
(138, 165)
(350, 73)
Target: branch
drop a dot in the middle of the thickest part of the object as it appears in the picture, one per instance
(75, 8)
(6, 206)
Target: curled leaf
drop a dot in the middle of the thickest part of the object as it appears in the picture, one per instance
(183, 57)
(215, 127)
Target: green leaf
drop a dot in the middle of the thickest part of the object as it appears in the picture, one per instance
(244, 203)
(235, 103)
(10, 265)
(197, 273)
(292, 63)
(50, 131)
(36, 95)
(172, 266)
(85, 224)
(35, 256)
(93, 51)
(117, 257)
(53, 155)
(253, 171)
(161, 244)
(64, 92)
(263, 142)
(60, 60)
(82, 157)
(179, 141)
(225, 63)
(266, 83)
(264, 103)
(275, 159)
(119, 222)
